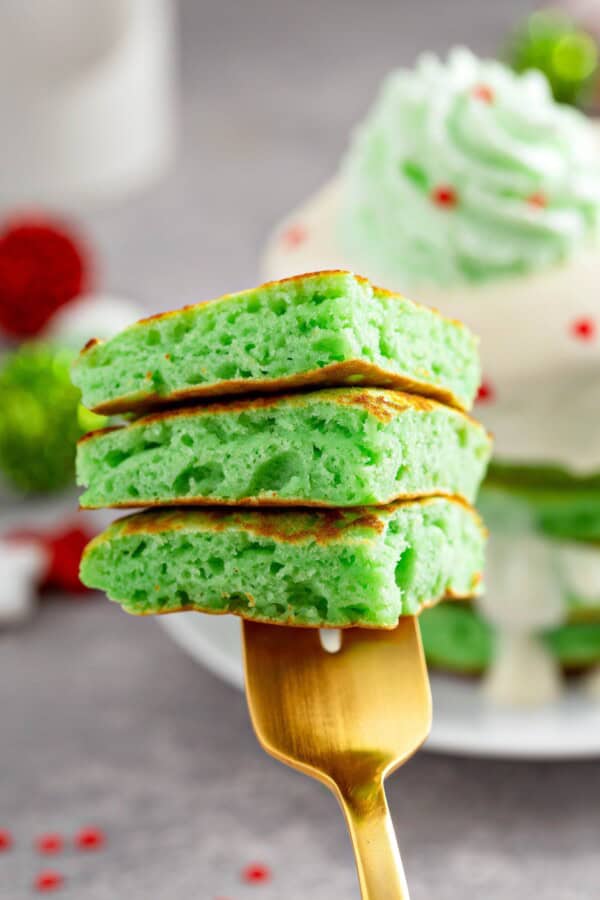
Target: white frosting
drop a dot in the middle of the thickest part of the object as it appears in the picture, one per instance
(430, 126)
(579, 566)
(524, 673)
(543, 373)
(523, 596)
(331, 639)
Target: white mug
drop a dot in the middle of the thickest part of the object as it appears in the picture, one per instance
(86, 98)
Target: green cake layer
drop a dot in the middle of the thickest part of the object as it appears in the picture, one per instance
(344, 447)
(319, 568)
(328, 328)
(456, 638)
(557, 503)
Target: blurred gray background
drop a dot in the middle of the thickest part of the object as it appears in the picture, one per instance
(104, 720)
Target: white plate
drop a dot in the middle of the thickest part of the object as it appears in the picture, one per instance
(462, 723)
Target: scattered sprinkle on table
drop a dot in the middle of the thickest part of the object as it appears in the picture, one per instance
(90, 839)
(6, 840)
(49, 843)
(256, 873)
(48, 880)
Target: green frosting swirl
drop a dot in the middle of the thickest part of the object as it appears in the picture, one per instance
(523, 174)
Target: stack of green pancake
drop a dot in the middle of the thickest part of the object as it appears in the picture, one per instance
(301, 451)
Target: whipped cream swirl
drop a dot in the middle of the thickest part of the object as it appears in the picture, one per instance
(465, 171)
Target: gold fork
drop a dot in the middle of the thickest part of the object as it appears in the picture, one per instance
(348, 718)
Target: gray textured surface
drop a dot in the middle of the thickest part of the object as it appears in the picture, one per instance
(103, 719)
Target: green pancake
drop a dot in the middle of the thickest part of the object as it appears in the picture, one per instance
(556, 503)
(565, 521)
(327, 328)
(457, 639)
(319, 568)
(344, 447)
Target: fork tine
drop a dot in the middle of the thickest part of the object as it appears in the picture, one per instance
(347, 718)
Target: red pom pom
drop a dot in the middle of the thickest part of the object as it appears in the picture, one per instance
(65, 549)
(89, 839)
(42, 267)
(48, 880)
(255, 873)
(444, 195)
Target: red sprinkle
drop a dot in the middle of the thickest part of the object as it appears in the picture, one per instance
(48, 880)
(6, 840)
(538, 199)
(583, 329)
(256, 873)
(444, 195)
(486, 393)
(484, 92)
(90, 839)
(49, 843)
(294, 236)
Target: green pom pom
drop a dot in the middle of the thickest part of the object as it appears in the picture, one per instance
(550, 41)
(41, 419)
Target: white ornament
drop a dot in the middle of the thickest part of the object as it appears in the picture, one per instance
(86, 98)
(22, 565)
(92, 315)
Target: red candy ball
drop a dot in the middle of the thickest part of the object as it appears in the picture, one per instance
(485, 394)
(444, 195)
(42, 267)
(583, 329)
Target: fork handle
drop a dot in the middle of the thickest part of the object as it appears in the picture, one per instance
(380, 870)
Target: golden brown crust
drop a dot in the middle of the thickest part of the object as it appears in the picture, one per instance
(385, 405)
(382, 403)
(323, 525)
(333, 375)
(91, 343)
(99, 432)
(324, 528)
(276, 502)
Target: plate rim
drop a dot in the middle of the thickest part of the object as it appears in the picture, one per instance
(206, 652)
